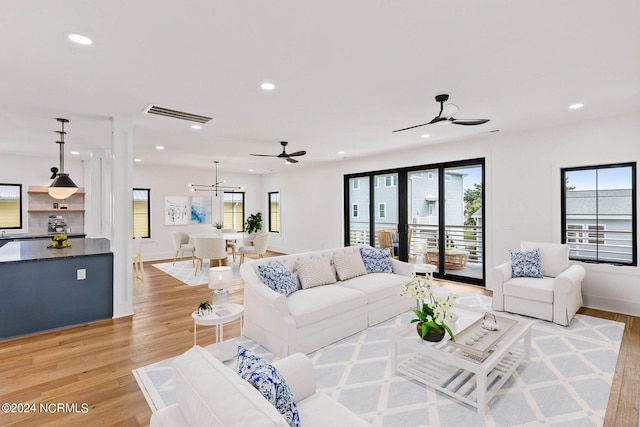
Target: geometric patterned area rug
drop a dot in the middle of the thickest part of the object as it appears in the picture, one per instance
(566, 382)
(185, 272)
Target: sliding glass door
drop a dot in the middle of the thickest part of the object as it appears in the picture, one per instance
(429, 214)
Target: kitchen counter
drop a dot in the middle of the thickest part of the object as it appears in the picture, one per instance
(33, 250)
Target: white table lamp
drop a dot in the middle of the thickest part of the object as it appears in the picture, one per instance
(420, 248)
(219, 281)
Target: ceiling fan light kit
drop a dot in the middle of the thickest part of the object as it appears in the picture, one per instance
(62, 186)
(214, 187)
(446, 115)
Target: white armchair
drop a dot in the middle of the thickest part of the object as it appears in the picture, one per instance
(556, 296)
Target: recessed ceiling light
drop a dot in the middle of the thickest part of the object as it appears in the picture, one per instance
(74, 152)
(340, 152)
(426, 135)
(159, 147)
(80, 39)
(575, 106)
(196, 127)
(268, 86)
(250, 170)
(137, 160)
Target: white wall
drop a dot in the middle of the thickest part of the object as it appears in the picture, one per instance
(173, 181)
(522, 194)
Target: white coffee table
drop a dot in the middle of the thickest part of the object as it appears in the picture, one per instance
(222, 350)
(450, 370)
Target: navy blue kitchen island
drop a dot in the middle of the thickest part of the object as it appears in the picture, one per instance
(43, 289)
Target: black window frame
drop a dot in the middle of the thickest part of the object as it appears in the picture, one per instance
(148, 190)
(21, 223)
(591, 235)
(271, 228)
(224, 213)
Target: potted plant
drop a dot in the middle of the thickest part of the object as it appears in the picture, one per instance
(218, 225)
(432, 311)
(253, 223)
(204, 308)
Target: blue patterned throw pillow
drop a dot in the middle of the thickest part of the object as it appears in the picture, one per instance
(526, 263)
(277, 277)
(376, 260)
(264, 377)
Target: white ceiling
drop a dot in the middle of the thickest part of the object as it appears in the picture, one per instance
(347, 73)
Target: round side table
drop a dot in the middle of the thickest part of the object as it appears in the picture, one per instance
(426, 269)
(219, 317)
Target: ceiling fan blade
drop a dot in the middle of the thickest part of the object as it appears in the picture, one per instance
(468, 122)
(290, 160)
(263, 155)
(412, 127)
(298, 153)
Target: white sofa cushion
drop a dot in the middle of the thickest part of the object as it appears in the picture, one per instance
(232, 402)
(266, 378)
(349, 265)
(554, 257)
(315, 272)
(377, 286)
(313, 305)
(321, 411)
(529, 288)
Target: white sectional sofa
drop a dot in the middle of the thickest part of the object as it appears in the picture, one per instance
(210, 394)
(309, 319)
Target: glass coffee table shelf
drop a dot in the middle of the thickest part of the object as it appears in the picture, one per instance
(470, 378)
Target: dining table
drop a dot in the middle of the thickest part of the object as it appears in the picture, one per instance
(239, 235)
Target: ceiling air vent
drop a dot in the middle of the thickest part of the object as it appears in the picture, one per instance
(154, 109)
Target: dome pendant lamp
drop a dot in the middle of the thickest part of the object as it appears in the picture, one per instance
(62, 187)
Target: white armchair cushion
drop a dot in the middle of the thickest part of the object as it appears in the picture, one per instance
(315, 272)
(554, 257)
(526, 263)
(530, 288)
(349, 265)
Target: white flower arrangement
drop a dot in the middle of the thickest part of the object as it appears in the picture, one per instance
(433, 311)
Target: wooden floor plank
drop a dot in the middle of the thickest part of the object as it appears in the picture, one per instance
(92, 363)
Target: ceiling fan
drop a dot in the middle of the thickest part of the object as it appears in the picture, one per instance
(284, 154)
(446, 114)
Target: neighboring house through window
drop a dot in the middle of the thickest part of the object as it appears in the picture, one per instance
(233, 210)
(355, 210)
(382, 210)
(274, 212)
(599, 219)
(142, 212)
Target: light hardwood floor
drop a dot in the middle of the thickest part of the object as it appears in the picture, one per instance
(91, 364)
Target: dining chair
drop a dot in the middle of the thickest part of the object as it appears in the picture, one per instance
(181, 244)
(211, 248)
(385, 240)
(231, 244)
(138, 267)
(260, 243)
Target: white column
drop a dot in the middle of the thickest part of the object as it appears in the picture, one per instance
(97, 176)
(121, 212)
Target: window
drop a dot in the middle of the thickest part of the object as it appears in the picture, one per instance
(447, 177)
(355, 210)
(141, 212)
(429, 175)
(390, 181)
(356, 184)
(274, 212)
(10, 206)
(233, 211)
(382, 210)
(599, 213)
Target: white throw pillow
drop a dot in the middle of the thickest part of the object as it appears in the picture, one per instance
(315, 272)
(349, 265)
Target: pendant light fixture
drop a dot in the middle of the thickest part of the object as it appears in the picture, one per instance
(62, 186)
(214, 187)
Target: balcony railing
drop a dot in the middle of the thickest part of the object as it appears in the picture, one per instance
(463, 237)
(613, 246)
